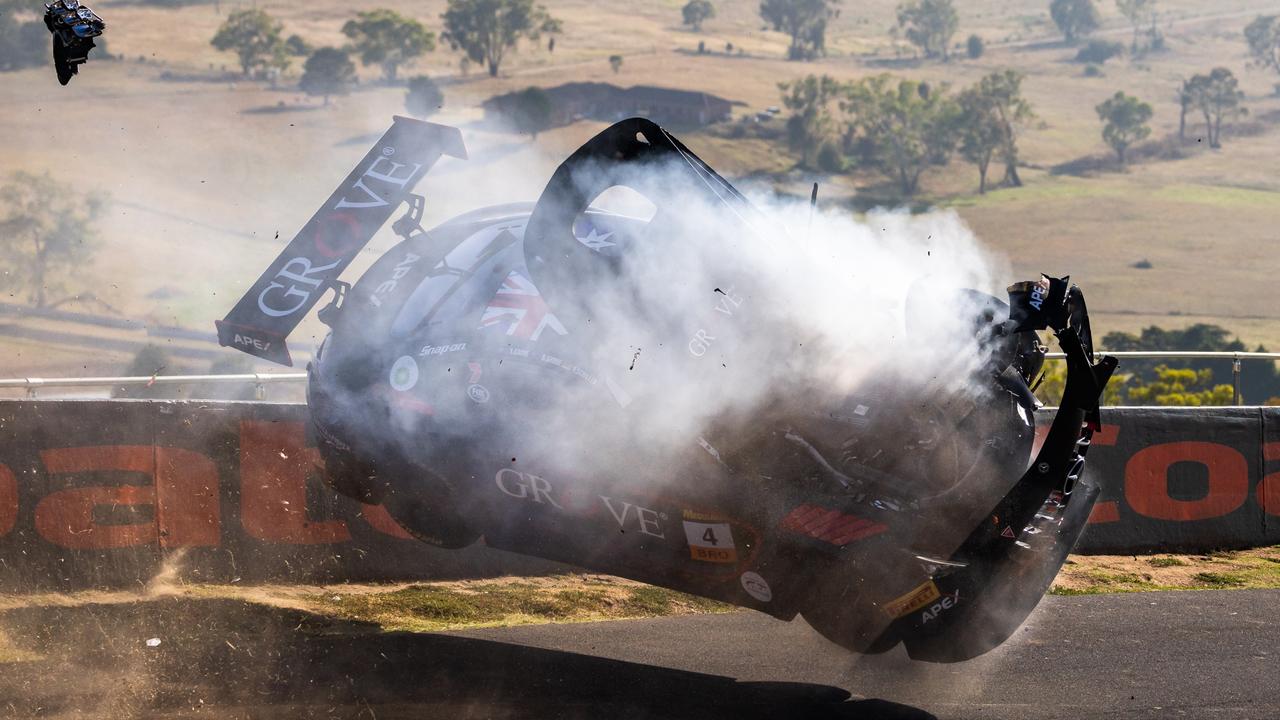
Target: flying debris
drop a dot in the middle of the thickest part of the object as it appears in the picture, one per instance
(74, 26)
(895, 512)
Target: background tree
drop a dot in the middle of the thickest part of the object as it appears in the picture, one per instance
(1074, 18)
(1140, 13)
(1124, 119)
(1099, 51)
(1179, 386)
(385, 38)
(297, 46)
(1217, 96)
(424, 98)
(254, 36)
(327, 72)
(230, 364)
(530, 111)
(615, 62)
(23, 43)
(907, 125)
(990, 112)
(1186, 101)
(487, 29)
(696, 12)
(929, 25)
(980, 134)
(151, 360)
(1260, 380)
(974, 47)
(809, 101)
(1263, 36)
(804, 20)
(46, 236)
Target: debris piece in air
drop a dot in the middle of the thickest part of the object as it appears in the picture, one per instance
(153, 642)
(73, 27)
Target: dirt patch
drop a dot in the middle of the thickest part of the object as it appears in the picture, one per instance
(428, 607)
(186, 656)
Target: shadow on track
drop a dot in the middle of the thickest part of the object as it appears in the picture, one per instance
(228, 658)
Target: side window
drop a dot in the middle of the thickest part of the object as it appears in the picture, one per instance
(614, 218)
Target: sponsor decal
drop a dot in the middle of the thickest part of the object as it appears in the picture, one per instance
(298, 272)
(382, 170)
(595, 240)
(830, 526)
(397, 274)
(728, 302)
(945, 603)
(478, 393)
(756, 586)
(526, 486)
(628, 516)
(710, 538)
(620, 395)
(711, 449)
(700, 343)
(919, 598)
(647, 521)
(251, 342)
(291, 288)
(404, 373)
(1039, 293)
(429, 350)
(519, 308)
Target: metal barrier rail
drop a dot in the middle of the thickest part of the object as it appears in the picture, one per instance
(31, 385)
(1234, 357)
(259, 380)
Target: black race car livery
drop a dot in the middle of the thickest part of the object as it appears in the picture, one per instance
(462, 371)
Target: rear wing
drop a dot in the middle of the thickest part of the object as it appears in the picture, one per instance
(295, 281)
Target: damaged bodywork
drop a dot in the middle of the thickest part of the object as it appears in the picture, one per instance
(890, 514)
(73, 26)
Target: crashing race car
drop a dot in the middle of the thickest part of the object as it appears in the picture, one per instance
(889, 513)
(73, 26)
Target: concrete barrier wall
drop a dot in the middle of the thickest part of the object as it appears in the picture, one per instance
(97, 493)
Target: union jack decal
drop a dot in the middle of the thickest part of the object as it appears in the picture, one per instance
(831, 526)
(519, 307)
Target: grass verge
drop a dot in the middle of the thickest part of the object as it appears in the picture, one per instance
(1243, 569)
(513, 601)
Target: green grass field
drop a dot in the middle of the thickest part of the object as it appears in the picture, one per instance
(203, 175)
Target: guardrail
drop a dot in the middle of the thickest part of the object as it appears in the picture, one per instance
(1234, 357)
(259, 380)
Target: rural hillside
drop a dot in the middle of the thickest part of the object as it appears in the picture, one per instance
(189, 174)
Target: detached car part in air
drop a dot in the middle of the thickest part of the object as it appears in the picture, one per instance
(73, 26)
(884, 515)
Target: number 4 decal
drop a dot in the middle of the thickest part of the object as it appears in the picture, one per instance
(710, 542)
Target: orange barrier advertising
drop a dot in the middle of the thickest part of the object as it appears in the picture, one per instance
(98, 493)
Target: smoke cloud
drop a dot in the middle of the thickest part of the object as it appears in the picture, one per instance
(713, 321)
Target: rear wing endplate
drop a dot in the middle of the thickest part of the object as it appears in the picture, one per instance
(316, 257)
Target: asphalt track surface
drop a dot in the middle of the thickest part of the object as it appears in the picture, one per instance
(1209, 654)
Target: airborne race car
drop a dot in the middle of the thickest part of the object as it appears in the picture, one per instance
(463, 371)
